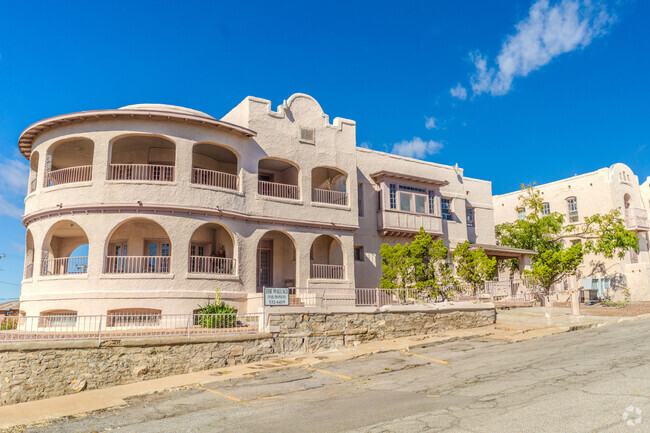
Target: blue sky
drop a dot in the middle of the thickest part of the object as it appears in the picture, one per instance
(551, 88)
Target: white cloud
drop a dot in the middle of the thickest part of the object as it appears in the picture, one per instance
(14, 175)
(416, 148)
(365, 145)
(430, 123)
(458, 92)
(544, 34)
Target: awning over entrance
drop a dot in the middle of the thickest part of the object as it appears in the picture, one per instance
(502, 252)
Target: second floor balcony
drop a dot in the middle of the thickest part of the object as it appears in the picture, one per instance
(278, 178)
(636, 219)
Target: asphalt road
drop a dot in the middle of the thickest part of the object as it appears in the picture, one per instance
(582, 381)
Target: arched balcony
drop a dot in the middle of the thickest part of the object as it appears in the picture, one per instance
(276, 261)
(65, 250)
(142, 158)
(326, 258)
(329, 185)
(33, 172)
(29, 255)
(212, 251)
(278, 178)
(138, 246)
(214, 165)
(70, 161)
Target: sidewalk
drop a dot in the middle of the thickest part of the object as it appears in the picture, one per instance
(511, 326)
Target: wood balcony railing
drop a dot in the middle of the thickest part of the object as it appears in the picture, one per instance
(64, 266)
(82, 173)
(281, 190)
(328, 196)
(147, 172)
(219, 179)
(137, 264)
(327, 272)
(212, 265)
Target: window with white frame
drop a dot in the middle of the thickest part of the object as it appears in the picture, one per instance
(393, 196)
(432, 201)
(445, 208)
(412, 202)
(572, 206)
(546, 208)
(521, 213)
(469, 216)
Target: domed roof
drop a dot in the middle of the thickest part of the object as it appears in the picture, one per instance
(169, 108)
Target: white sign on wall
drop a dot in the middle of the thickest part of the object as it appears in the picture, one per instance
(276, 296)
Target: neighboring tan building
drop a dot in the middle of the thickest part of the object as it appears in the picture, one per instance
(150, 208)
(583, 195)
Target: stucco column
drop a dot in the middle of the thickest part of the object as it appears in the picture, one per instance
(101, 159)
(348, 258)
(183, 166)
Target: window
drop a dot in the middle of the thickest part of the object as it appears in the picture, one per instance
(133, 317)
(445, 207)
(432, 201)
(360, 198)
(393, 196)
(546, 208)
(405, 201)
(469, 213)
(307, 135)
(572, 205)
(420, 203)
(358, 253)
(58, 318)
(521, 213)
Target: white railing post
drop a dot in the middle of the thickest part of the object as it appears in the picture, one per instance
(99, 329)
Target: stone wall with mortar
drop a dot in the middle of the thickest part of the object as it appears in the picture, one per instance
(32, 371)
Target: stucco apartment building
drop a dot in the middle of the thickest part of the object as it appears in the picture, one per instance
(150, 208)
(615, 187)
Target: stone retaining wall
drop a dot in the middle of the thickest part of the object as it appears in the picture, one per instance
(32, 371)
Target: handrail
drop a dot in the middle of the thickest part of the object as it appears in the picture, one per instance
(329, 196)
(212, 265)
(275, 189)
(81, 173)
(137, 264)
(148, 172)
(201, 176)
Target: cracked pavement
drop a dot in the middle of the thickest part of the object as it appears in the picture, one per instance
(579, 381)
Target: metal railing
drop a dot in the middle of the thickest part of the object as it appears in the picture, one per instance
(149, 172)
(137, 264)
(281, 190)
(64, 266)
(219, 179)
(327, 272)
(212, 265)
(328, 196)
(119, 326)
(29, 271)
(82, 173)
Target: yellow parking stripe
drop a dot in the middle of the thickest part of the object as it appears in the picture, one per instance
(221, 394)
(439, 361)
(329, 372)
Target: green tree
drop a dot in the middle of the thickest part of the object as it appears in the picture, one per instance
(560, 247)
(421, 265)
(473, 267)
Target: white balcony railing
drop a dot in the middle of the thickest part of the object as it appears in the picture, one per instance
(327, 272)
(636, 219)
(64, 266)
(281, 190)
(82, 173)
(393, 221)
(148, 172)
(212, 265)
(219, 179)
(137, 264)
(32, 185)
(328, 196)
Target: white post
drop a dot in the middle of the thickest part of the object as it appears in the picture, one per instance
(575, 302)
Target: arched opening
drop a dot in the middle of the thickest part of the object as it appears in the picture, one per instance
(276, 261)
(33, 172)
(138, 246)
(212, 250)
(71, 161)
(142, 158)
(329, 185)
(57, 318)
(214, 165)
(326, 258)
(29, 255)
(278, 178)
(65, 250)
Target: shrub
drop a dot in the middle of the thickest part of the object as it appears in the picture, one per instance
(9, 323)
(216, 315)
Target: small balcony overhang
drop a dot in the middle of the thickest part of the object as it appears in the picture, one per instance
(379, 177)
(391, 222)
